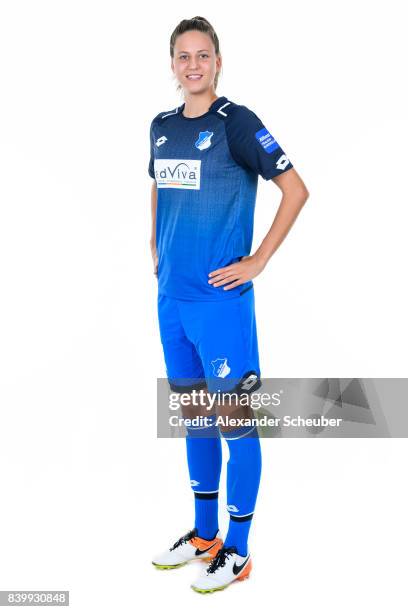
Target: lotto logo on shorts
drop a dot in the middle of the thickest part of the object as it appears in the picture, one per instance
(177, 173)
(267, 141)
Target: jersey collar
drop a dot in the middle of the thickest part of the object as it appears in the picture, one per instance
(214, 107)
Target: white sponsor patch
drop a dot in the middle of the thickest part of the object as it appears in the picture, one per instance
(177, 173)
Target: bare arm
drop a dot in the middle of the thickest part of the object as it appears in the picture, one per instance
(294, 195)
(153, 234)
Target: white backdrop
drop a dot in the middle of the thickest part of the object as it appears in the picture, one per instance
(88, 494)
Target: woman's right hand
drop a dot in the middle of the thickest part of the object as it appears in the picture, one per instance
(155, 259)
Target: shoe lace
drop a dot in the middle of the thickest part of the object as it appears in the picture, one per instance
(220, 558)
(185, 538)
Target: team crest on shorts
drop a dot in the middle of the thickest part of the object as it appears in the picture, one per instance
(221, 367)
(204, 140)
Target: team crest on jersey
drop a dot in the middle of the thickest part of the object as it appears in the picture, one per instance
(204, 140)
(221, 367)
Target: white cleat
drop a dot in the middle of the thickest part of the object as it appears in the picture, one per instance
(225, 568)
(188, 548)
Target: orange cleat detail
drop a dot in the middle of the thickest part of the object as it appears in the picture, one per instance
(190, 547)
(210, 546)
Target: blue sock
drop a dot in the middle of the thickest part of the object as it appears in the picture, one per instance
(204, 456)
(243, 477)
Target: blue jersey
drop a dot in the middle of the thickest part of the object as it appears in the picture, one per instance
(206, 170)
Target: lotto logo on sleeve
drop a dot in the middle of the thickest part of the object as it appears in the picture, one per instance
(267, 141)
(177, 173)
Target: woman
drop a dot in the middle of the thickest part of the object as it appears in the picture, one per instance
(206, 156)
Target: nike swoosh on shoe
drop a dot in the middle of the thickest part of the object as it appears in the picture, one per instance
(237, 568)
(200, 552)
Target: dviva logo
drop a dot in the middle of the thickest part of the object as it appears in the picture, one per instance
(181, 171)
(178, 173)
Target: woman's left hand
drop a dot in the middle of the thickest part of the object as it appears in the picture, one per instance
(237, 273)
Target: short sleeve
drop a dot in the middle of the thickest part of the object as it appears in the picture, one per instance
(151, 162)
(252, 146)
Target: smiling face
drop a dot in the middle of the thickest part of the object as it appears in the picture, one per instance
(195, 63)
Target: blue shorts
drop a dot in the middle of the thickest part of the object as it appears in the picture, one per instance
(210, 343)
